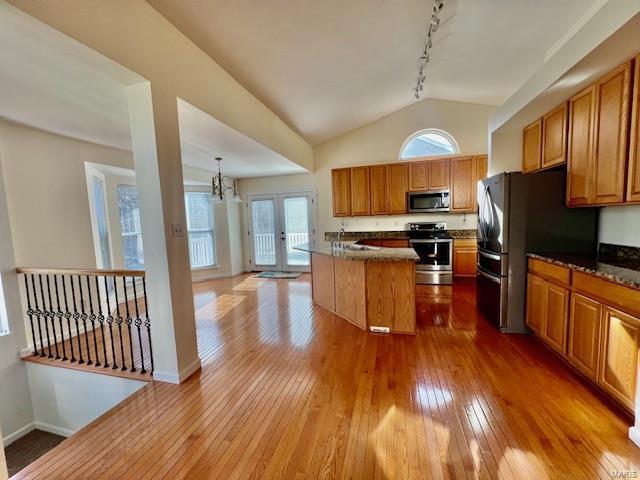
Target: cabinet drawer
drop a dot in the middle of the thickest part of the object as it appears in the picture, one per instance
(552, 272)
(625, 298)
(465, 242)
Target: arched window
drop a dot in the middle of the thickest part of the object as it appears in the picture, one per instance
(429, 142)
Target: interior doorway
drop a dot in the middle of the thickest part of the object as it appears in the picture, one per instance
(277, 224)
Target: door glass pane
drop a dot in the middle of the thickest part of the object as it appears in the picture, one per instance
(101, 214)
(296, 224)
(264, 233)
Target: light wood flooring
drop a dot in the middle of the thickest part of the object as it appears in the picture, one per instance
(291, 391)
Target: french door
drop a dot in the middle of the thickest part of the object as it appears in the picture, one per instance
(279, 223)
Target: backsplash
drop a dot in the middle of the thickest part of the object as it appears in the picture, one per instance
(620, 225)
(618, 252)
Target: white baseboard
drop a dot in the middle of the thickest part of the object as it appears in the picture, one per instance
(63, 432)
(21, 432)
(177, 377)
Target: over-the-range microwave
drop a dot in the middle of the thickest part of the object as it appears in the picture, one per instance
(428, 201)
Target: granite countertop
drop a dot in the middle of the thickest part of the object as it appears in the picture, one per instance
(373, 255)
(393, 234)
(622, 270)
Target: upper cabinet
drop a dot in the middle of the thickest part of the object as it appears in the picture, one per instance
(360, 196)
(482, 167)
(398, 182)
(439, 174)
(598, 133)
(341, 189)
(532, 147)
(554, 137)
(633, 180)
(379, 189)
(418, 176)
(463, 184)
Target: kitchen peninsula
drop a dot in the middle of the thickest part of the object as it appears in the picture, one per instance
(373, 288)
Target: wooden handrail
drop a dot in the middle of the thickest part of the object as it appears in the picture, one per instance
(81, 271)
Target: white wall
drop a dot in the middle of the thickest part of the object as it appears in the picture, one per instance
(380, 142)
(16, 413)
(66, 400)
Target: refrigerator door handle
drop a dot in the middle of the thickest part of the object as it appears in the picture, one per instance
(488, 276)
(492, 256)
(483, 209)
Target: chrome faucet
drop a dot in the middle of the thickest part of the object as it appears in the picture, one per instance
(340, 233)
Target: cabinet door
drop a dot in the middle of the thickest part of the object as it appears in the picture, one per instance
(463, 184)
(532, 147)
(633, 183)
(619, 363)
(536, 302)
(341, 189)
(379, 190)
(464, 261)
(439, 174)
(482, 166)
(556, 317)
(580, 147)
(584, 334)
(360, 193)
(418, 176)
(398, 185)
(610, 136)
(554, 137)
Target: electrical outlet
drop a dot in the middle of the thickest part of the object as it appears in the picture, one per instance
(177, 230)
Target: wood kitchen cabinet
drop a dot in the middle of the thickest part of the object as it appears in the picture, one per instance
(378, 175)
(548, 311)
(398, 183)
(554, 137)
(341, 190)
(360, 191)
(598, 132)
(580, 146)
(619, 362)
(418, 176)
(465, 253)
(482, 167)
(584, 334)
(536, 300)
(463, 184)
(633, 177)
(439, 174)
(532, 147)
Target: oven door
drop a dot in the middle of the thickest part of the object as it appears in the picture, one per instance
(435, 254)
(432, 201)
(491, 297)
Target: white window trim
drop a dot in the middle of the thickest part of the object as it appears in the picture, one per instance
(445, 134)
(212, 229)
(4, 318)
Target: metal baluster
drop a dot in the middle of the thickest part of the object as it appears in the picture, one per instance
(30, 313)
(101, 322)
(38, 313)
(51, 314)
(67, 315)
(83, 316)
(138, 322)
(59, 314)
(119, 321)
(129, 321)
(44, 316)
(110, 323)
(147, 322)
(76, 317)
(92, 319)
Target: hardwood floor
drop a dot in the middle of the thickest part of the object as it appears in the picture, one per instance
(291, 391)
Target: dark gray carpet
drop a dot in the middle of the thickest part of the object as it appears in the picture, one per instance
(29, 448)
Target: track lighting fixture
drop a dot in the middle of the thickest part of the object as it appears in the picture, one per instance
(432, 28)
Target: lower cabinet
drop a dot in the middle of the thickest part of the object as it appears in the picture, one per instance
(619, 364)
(465, 254)
(598, 339)
(584, 335)
(548, 311)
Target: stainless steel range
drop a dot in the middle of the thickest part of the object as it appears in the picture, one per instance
(434, 246)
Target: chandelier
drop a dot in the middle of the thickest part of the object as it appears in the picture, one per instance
(219, 187)
(432, 28)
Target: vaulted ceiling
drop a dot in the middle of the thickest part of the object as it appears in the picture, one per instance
(327, 67)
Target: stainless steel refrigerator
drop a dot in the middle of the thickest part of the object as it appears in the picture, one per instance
(518, 214)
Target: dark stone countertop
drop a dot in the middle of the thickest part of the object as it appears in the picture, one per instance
(393, 234)
(624, 271)
(373, 254)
